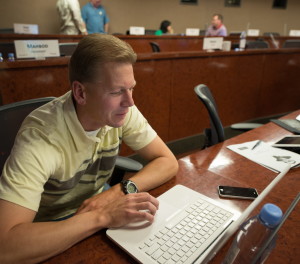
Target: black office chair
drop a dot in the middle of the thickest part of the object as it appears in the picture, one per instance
(155, 46)
(215, 133)
(150, 31)
(291, 44)
(67, 49)
(11, 118)
(257, 44)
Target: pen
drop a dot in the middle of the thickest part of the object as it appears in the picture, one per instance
(257, 143)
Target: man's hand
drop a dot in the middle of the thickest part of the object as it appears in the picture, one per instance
(102, 199)
(129, 208)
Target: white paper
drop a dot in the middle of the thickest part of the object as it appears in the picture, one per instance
(36, 48)
(137, 31)
(26, 28)
(212, 43)
(264, 154)
(294, 33)
(253, 32)
(192, 31)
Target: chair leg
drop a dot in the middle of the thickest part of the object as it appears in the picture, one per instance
(207, 138)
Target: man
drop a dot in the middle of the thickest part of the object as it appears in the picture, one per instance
(217, 28)
(95, 17)
(70, 16)
(64, 155)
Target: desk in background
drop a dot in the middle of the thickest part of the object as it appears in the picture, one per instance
(203, 171)
(245, 84)
(141, 44)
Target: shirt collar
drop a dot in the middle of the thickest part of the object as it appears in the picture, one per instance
(80, 138)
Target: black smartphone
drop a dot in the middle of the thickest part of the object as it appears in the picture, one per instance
(289, 141)
(237, 192)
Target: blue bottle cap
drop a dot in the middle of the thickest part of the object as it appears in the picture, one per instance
(270, 215)
(11, 55)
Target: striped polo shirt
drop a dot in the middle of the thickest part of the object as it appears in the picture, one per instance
(54, 165)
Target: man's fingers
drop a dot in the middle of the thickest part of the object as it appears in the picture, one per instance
(140, 198)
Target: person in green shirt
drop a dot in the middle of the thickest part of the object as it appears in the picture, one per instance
(165, 28)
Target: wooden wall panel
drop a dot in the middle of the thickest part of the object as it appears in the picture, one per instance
(233, 82)
(246, 85)
(152, 94)
(280, 85)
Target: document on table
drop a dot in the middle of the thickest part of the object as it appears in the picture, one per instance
(264, 154)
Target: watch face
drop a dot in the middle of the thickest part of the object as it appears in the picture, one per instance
(131, 188)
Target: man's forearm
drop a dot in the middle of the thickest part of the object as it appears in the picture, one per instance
(155, 173)
(36, 242)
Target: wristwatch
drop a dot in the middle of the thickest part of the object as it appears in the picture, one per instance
(129, 186)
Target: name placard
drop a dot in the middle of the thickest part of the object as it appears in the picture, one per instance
(213, 43)
(294, 33)
(137, 31)
(253, 32)
(36, 48)
(192, 32)
(26, 28)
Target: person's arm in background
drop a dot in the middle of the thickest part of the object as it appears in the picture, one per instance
(106, 28)
(105, 22)
(207, 33)
(223, 31)
(76, 13)
(84, 17)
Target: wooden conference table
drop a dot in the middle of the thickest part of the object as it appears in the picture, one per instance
(203, 171)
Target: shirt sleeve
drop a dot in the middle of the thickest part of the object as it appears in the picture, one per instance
(106, 18)
(30, 164)
(75, 10)
(137, 132)
(84, 14)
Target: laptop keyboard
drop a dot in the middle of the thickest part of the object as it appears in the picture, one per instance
(195, 227)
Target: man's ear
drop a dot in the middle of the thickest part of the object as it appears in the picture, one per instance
(79, 92)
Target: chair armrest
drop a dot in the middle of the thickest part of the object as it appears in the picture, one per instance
(128, 164)
(245, 126)
(123, 165)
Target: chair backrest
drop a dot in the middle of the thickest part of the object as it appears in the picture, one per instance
(216, 134)
(257, 44)
(11, 118)
(155, 46)
(150, 31)
(67, 49)
(291, 43)
(7, 47)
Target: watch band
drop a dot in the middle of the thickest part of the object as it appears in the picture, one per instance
(129, 186)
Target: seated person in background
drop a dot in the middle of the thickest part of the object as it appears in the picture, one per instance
(165, 28)
(70, 17)
(217, 28)
(64, 155)
(95, 17)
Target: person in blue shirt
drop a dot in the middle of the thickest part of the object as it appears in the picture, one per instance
(95, 17)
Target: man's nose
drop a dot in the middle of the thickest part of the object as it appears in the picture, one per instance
(127, 99)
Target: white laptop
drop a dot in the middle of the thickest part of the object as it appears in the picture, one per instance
(188, 228)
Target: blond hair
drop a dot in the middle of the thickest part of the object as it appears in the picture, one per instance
(95, 50)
